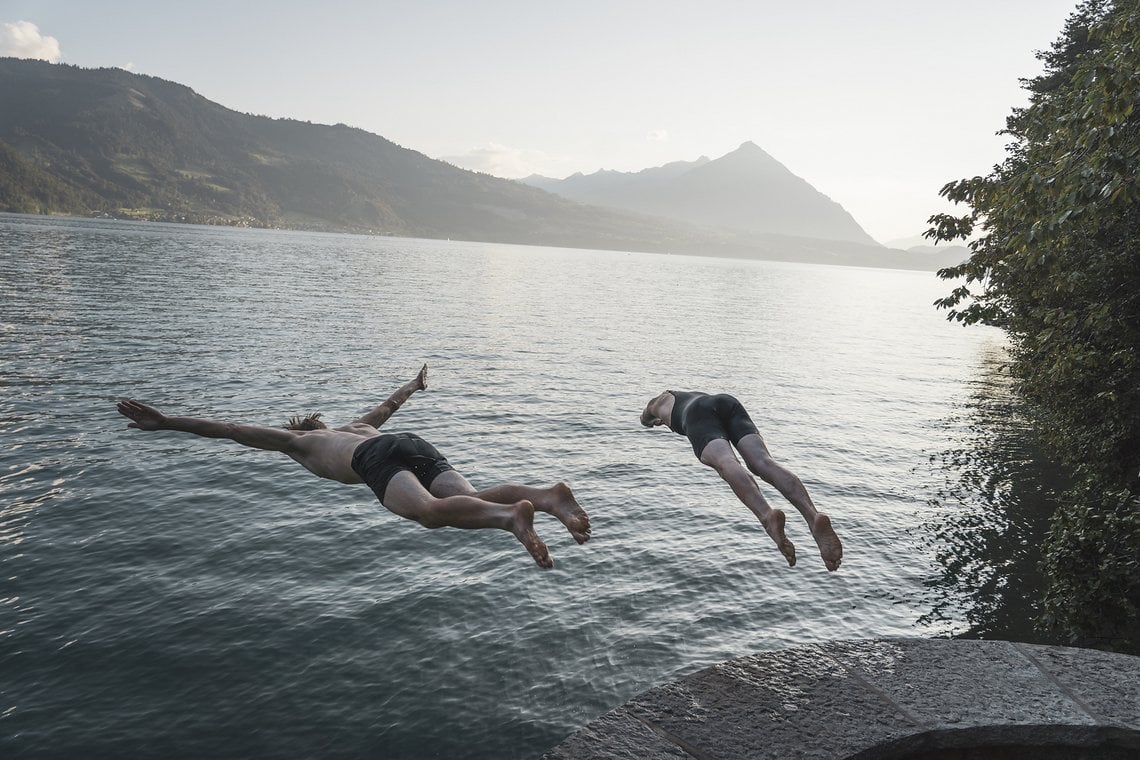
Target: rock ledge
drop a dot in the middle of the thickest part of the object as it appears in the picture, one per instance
(878, 699)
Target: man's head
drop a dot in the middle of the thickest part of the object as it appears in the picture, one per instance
(649, 417)
(308, 422)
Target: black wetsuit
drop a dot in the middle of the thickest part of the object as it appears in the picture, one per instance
(702, 418)
(378, 459)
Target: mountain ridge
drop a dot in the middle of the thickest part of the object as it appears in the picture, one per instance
(746, 189)
(109, 142)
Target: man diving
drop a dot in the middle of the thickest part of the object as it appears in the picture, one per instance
(407, 474)
(711, 423)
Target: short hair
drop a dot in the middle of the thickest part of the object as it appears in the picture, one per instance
(647, 417)
(308, 422)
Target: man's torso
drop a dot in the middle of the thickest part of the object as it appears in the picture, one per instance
(328, 453)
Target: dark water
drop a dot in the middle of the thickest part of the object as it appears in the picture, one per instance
(165, 595)
(991, 514)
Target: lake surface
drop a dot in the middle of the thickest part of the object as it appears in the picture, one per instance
(167, 595)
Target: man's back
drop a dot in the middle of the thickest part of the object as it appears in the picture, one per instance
(328, 453)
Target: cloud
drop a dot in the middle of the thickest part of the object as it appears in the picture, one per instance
(502, 161)
(22, 39)
(657, 135)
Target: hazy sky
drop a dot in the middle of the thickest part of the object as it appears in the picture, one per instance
(877, 103)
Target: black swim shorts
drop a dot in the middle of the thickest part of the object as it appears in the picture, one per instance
(702, 418)
(378, 459)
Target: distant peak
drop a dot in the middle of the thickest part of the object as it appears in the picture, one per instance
(749, 154)
(750, 148)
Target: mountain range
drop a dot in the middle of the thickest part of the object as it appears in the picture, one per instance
(113, 143)
(745, 190)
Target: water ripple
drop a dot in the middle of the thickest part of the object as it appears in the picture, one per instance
(171, 595)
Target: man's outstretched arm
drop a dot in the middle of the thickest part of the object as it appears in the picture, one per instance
(380, 414)
(255, 436)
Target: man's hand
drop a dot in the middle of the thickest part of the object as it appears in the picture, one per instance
(421, 379)
(145, 417)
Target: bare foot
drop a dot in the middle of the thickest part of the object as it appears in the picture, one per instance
(773, 522)
(565, 507)
(829, 546)
(522, 526)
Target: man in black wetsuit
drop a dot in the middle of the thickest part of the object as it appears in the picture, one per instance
(407, 474)
(713, 425)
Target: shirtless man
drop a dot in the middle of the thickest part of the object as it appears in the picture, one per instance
(710, 423)
(407, 474)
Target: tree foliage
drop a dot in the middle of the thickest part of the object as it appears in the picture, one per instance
(1056, 263)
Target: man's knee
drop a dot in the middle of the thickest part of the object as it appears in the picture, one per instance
(425, 511)
(429, 516)
(768, 470)
(760, 463)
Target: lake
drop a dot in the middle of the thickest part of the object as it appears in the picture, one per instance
(168, 595)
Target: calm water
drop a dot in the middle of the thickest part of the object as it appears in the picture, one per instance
(166, 595)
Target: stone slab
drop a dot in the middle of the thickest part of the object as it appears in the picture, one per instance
(959, 684)
(757, 706)
(879, 700)
(617, 735)
(1107, 684)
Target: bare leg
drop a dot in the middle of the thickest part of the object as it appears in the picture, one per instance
(407, 498)
(756, 456)
(718, 454)
(557, 500)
